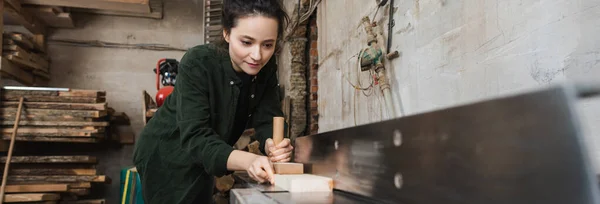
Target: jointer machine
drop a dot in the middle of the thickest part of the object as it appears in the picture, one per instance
(520, 149)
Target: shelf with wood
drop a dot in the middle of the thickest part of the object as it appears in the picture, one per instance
(59, 131)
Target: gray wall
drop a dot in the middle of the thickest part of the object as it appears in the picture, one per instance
(457, 52)
(123, 73)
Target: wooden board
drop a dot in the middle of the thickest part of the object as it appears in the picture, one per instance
(304, 183)
(54, 123)
(54, 139)
(288, 168)
(30, 197)
(55, 105)
(35, 113)
(37, 188)
(52, 171)
(51, 17)
(66, 99)
(98, 201)
(71, 92)
(56, 131)
(58, 179)
(25, 19)
(9, 69)
(138, 6)
(80, 185)
(19, 40)
(156, 11)
(50, 159)
(24, 63)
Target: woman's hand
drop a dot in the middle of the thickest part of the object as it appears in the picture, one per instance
(261, 170)
(281, 152)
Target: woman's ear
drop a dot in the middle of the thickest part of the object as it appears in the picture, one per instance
(226, 36)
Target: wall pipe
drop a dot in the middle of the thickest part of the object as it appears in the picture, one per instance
(374, 54)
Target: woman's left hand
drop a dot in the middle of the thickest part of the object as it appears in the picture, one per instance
(281, 152)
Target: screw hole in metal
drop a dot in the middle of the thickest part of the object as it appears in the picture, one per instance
(398, 181)
(397, 138)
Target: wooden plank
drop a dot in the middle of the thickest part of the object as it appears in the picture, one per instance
(54, 139)
(51, 17)
(55, 105)
(71, 92)
(43, 202)
(64, 99)
(288, 168)
(10, 112)
(156, 11)
(39, 42)
(97, 201)
(303, 183)
(50, 132)
(53, 171)
(40, 60)
(37, 188)
(55, 123)
(30, 197)
(24, 63)
(50, 118)
(14, 17)
(80, 185)
(51, 159)
(16, 73)
(135, 7)
(58, 179)
(18, 39)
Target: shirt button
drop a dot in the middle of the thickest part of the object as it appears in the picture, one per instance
(231, 82)
(252, 96)
(249, 115)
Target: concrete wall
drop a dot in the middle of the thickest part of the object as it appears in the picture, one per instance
(123, 73)
(457, 52)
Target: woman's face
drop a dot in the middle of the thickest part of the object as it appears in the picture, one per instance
(252, 43)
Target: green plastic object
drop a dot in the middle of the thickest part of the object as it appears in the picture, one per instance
(131, 187)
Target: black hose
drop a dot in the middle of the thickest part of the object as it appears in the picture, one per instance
(390, 26)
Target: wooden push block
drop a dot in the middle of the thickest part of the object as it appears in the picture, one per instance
(288, 168)
(304, 183)
(283, 168)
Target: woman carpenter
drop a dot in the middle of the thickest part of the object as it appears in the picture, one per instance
(221, 90)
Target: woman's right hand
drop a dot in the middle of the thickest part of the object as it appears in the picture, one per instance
(261, 170)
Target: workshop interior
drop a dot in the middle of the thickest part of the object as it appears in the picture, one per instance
(384, 101)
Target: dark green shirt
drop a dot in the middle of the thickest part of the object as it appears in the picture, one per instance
(189, 139)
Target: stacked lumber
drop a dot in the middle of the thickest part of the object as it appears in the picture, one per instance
(27, 53)
(78, 116)
(51, 179)
(57, 130)
(137, 8)
(69, 116)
